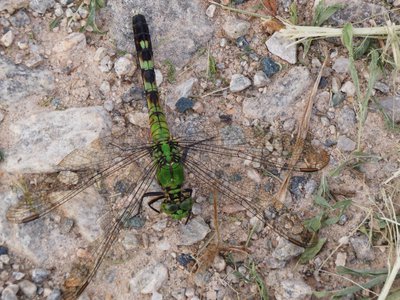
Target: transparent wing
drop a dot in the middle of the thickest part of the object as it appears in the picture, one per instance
(77, 171)
(85, 269)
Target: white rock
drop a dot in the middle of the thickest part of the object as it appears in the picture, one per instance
(139, 119)
(159, 77)
(42, 140)
(7, 38)
(239, 83)
(280, 46)
(193, 232)
(106, 64)
(105, 87)
(260, 79)
(235, 28)
(348, 88)
(211, 10)
(28, 288)
(124, 66)
(100, 53)
(149, 280)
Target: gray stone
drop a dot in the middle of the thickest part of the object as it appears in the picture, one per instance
(382, 87)
(191, 32)
(42, 140)
(54, 295)
(12, 5)
(345, 144)
(280, 96)
(235, 28)
(58, 11)
(1, 117)
(149, 279)
(9, 294)
(139, 119)
(193, 232)
(260, 79)
(108, 105)
(286, 250)
(41, 6)
(182, 90)
(106, 64)
(18, 275)
(39, 275)
(348, 88)
(362, 248)
(125, 66)
(20, 19)
(7, 39)
(346, 119)
(105, 87)
(34, 61)
(130, 241)
(356, 11)
(293, 289)
(341, 65)
(28, 288)
(391, 106)
(282, 47)
(239, 83)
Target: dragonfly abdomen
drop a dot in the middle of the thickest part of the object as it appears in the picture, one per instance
(158, 125)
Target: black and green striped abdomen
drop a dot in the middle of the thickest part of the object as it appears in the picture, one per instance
(158, 125)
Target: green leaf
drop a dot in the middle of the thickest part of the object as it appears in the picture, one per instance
(323, 13)
(311, 252)
(362, 48)
(293, 13)
(53, 24)
(342, 204)
(314, 224)
(322, 201)
(330, 221)
(347, 38)
(353, 289)
(394, 295)
(363, 272)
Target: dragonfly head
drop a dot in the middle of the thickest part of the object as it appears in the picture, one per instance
(178, 211)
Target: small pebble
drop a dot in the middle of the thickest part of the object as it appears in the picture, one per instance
(5, 259)
(338, 98)
(28, 288)
(18, 275)
(134, 94)
(260, 79)
(341, 259)
(223, 42)
(239, 83)
(235, 28)
(362, 248)
(9, 294)
(108, 105)
(219, 263)
(341, 65)
(269, 66)
(105, 87)
(159, 77)
(58, 11)
(39, 275)
(7, 39)
(139, 119)
(211, 10)
(345, 144)
(100, 54)
(3, 249)
(282, 47)
(184, 104)
(382, 87)
(54, 295)
(197, 107)
(106, 64)
(124, 66)
(348, 88)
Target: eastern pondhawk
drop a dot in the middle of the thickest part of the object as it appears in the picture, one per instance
(166, 158)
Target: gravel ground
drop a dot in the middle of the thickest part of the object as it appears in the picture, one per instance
(62, 88)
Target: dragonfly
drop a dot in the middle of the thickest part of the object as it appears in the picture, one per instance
(165, 157)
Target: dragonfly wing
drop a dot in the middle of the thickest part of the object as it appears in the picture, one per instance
(248, 194)
(313, 159)
(84, 270)
(38, 197)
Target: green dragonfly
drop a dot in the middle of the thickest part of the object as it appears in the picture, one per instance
(166, 158)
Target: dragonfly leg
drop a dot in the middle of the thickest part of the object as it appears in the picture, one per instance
(190, 191)
(159, 196)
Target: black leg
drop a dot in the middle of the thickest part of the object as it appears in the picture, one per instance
(152, 201)
(150, 194)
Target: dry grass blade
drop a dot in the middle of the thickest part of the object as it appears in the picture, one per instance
(301, 136)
